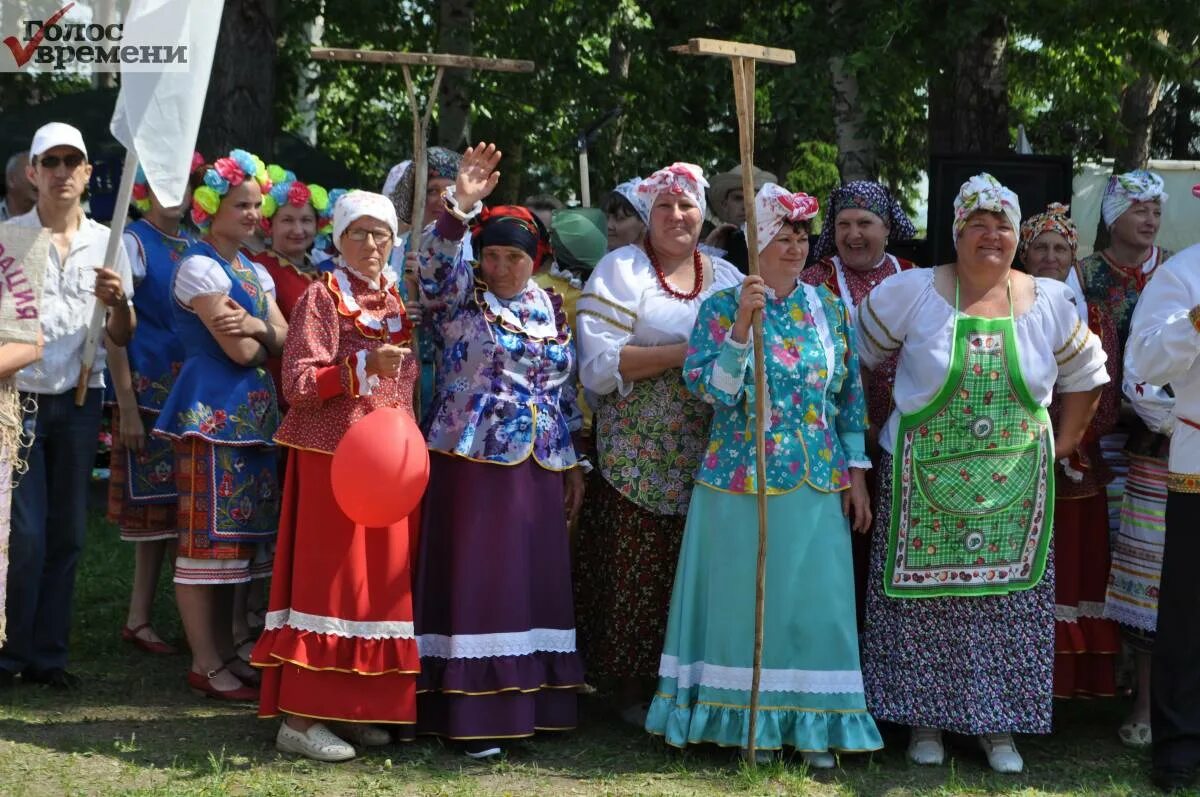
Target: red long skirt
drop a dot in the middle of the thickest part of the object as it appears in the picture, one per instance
(1085, 644)
(339, 641)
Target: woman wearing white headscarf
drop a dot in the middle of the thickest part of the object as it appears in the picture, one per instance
(812, 692)
(959, 632)
(634, 318)
(339, 642)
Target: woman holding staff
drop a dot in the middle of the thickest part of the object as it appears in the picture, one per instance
(811, 693)
(959, 632)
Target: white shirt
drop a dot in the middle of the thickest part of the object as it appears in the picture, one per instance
(1164, 348)
(1054, 347)
(623, 303)
(68, 299)
(198, 275)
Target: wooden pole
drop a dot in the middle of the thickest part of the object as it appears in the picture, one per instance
(585, 183)
(743, 58)
(116, 228)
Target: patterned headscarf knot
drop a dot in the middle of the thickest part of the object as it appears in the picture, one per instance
(1054, 219)
(774, 205)
(861, 195)
(678, 178)
(443, 163)
(984, 192)
(1123, 190)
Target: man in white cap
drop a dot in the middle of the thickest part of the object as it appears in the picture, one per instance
(49, 507)
(727, 201)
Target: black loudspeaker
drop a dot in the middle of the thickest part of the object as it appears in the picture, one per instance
(1037, 180)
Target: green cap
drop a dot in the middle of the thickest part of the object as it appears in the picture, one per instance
(579, 237)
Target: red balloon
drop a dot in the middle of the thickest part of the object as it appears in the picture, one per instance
(380, 468)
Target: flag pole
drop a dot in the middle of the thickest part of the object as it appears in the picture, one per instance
(99, 311)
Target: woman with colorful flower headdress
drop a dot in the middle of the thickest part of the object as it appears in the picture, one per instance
(812, 694)
(339, 657)
(1085, 642)
(634, 317)
(293, 215)
(1135, 449)
(141, 490)
(221, 416)
(959, 630)
(494, 615)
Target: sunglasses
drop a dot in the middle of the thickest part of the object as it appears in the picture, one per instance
(72, 161)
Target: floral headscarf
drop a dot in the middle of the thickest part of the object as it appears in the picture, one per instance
(234, 169)
(443, 163)
(629, 190)
(861, 195)
(678, 178)
(774, 205)
(984, 192)
(1054, 219)
(1123, 190)
(356, 204)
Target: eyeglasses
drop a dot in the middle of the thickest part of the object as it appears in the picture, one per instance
(72, 161)
(378, 237)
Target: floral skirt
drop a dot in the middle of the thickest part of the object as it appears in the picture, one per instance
(228, 511)
(967, 665)
(142, 495)
(625, 561)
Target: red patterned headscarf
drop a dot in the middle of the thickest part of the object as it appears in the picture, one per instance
(1054, 219)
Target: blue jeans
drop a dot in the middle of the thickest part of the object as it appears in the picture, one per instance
(49, 519)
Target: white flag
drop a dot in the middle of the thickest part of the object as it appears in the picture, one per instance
(158, 112)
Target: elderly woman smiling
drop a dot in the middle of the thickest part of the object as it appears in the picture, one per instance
(812, 697)
(494, 615)
(959, 631)
(339, 643)
(634, 317)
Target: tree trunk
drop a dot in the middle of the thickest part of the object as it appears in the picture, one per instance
(968, 103)
(619, 58)
(856, 145)
(238, 110)
(1139, 101)
(455, 20)
(308, 94)
(1184, 131)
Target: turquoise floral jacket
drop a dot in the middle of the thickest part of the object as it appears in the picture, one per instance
(818, 416)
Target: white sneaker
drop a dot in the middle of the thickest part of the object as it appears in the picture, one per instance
(1001, 752)
(925, 746)
(363, 734)
(318, 743)
(823, 760)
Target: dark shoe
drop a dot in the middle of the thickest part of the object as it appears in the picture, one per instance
(55, 678)
(1170, 780)
(202, 685)
(154, 646)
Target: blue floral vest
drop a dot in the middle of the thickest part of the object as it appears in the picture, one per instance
(155, 352)
(214, 398)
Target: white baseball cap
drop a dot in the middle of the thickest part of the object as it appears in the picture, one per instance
(56, 134)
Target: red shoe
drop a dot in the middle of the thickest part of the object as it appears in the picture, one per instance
(202, 685)
(156, 647)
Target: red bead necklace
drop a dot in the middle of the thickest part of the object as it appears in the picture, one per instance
(697, 266)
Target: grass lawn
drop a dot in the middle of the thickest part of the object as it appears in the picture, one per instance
(136, 729)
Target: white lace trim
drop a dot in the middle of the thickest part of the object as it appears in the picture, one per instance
(864, 464)
(364, 318)
(335, 626)
(534, 329)
(717, 676)
(817, 308)
(1070, 614)
(482, 646)
(366, 383)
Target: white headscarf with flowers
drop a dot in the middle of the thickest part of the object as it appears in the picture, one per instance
(678, 178)
(356, 204)
(1125, 189)
(984, 192)
(774, 205)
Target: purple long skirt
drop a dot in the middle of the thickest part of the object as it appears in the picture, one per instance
(494, 616)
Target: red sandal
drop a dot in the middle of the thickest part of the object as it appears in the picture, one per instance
(154, 646)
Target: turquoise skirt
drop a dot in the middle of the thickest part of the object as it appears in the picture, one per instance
(811, 693)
